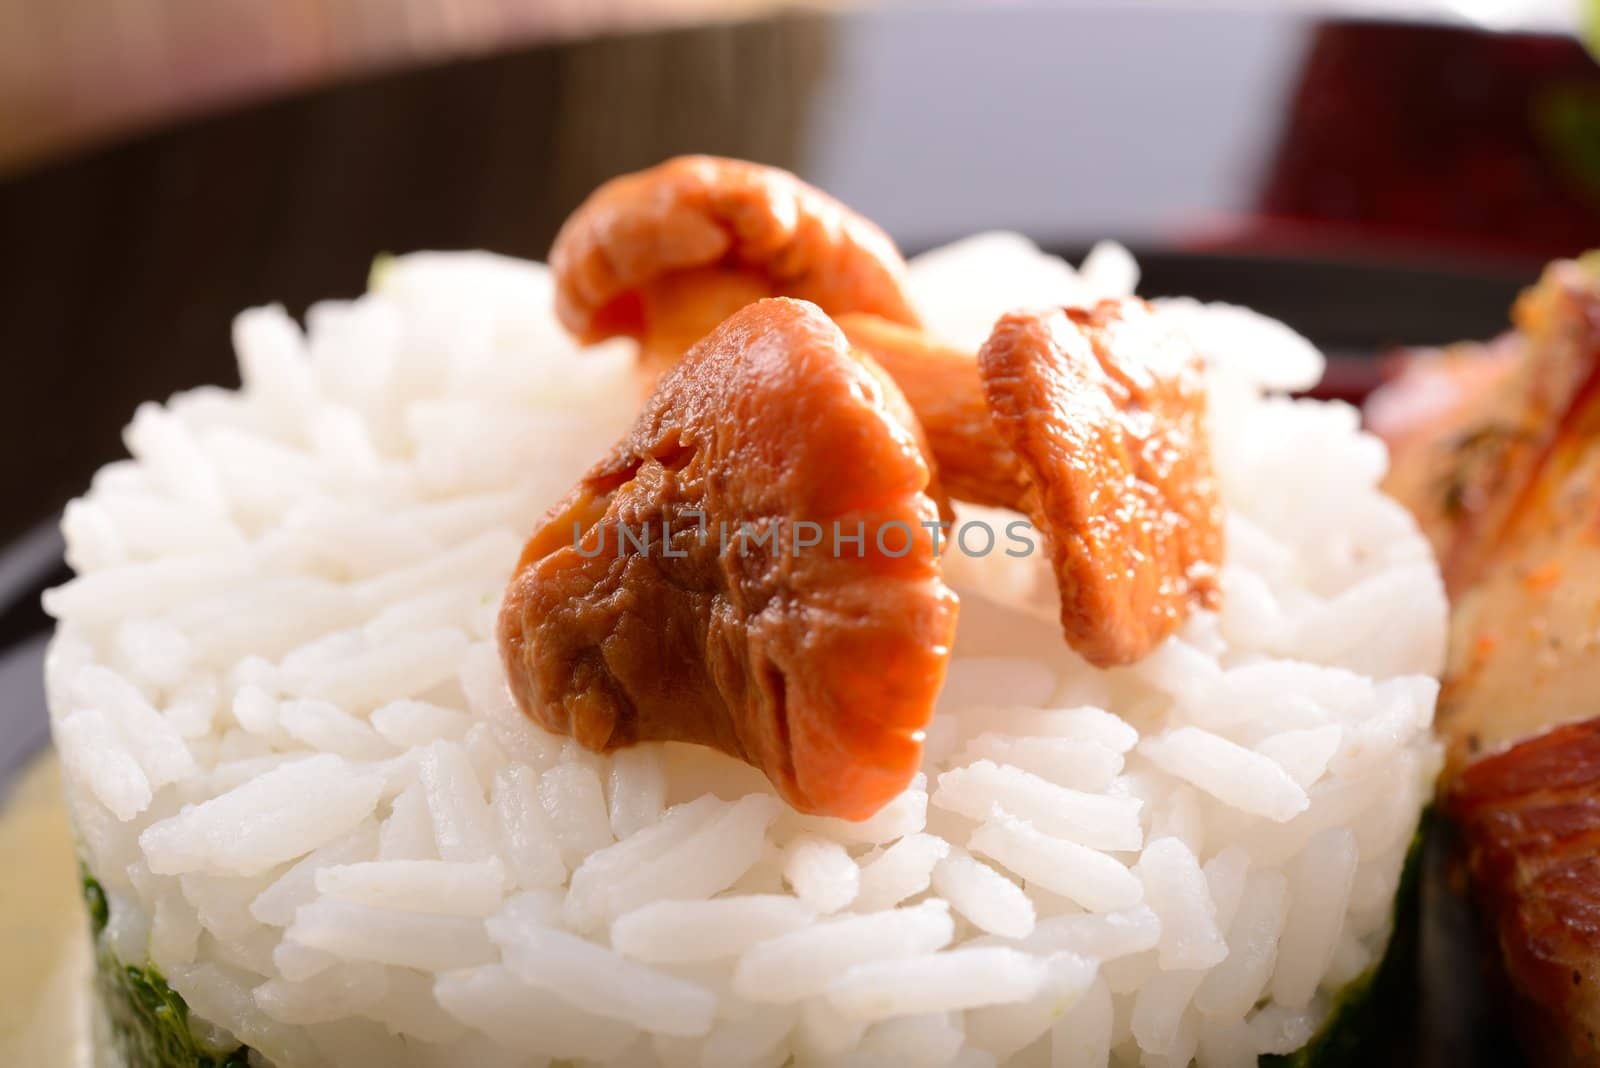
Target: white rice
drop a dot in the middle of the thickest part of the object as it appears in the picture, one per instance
(293, 763)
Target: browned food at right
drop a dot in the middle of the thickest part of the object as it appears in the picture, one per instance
(1473, 429)
(744, 621)
(1501, 467)
(665, 254)
(1105, 410)
(1530, 818)
(1507, 485)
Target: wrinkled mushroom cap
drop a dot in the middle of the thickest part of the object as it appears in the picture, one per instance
(818, 666)
(945, 393)
(705, 211)
(1105, 409)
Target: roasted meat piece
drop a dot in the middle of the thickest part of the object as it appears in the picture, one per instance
(1507, 484)
(1530, 818)
(1474, 428)
(1496, 450)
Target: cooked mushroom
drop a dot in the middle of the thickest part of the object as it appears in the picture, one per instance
(704, 582)
(943, 388)
(1131, 517)
(1105, 411)
(900, 407)
(665, 254)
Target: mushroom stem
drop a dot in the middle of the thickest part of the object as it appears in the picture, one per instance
(944, 389)
(681, 308)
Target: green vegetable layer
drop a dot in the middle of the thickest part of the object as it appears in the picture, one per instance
(1372, 1009)
(382, 264)
(149, 1021)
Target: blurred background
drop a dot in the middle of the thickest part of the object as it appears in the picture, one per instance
(74, 72)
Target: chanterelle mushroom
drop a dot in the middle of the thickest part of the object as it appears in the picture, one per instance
(1105, 410)
(943, 388)
(1119, 478)
(665, 254)
(751, 568)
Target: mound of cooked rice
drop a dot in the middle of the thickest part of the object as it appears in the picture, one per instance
(294, 766)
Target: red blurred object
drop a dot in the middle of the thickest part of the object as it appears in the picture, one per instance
(1424, 136)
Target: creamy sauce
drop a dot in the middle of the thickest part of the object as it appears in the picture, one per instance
(44, 944)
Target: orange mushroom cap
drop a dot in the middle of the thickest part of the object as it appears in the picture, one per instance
(1105, 409)
(817, 663)
(760, 227)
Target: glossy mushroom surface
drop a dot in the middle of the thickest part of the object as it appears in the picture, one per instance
(1105, 410)
(665, 254)
(742, 620)
(942, 386)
